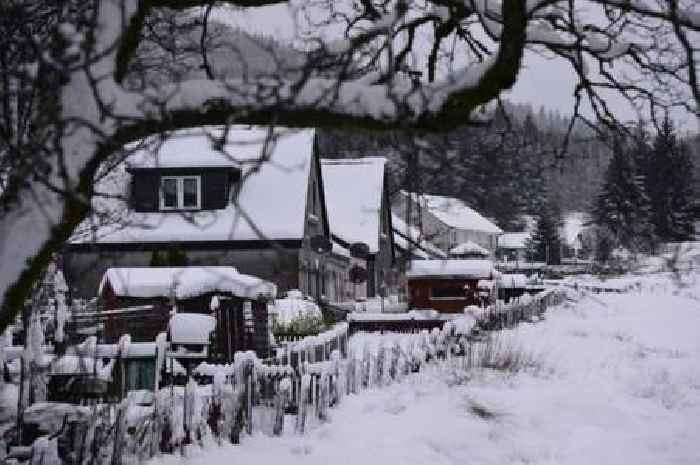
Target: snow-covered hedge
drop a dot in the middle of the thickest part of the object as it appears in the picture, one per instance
(296, 315)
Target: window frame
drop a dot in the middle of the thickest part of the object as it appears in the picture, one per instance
(180, 193)
(459, 297)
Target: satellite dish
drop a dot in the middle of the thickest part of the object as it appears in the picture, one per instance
(359, 250)
(320, 244)
(358, 275)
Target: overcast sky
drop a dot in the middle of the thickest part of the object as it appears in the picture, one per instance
(542, 82)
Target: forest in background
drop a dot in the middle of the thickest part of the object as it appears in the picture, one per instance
(504, 169)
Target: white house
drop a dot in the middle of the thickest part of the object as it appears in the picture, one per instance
(359, 211)
(447, 222)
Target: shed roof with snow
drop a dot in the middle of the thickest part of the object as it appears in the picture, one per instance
(353, 189)
(470, 269)
(281, 181)
(184, 282)
(455, 213)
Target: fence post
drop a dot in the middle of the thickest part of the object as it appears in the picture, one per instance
(249, 398)
(305, 383)
(281, 400)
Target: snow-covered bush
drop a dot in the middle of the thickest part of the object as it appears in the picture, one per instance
(295, 315)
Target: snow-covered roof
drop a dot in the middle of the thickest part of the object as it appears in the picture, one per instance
(184, 282)
(513, 240)
(191, 328)
(140, 349)
(338, 249)
(404, 232)
(402, 243)
(271, 203)
(455, 213)
(353, 190)
(512, 280)
(449, 268)
(468, 247)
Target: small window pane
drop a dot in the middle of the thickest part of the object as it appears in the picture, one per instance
(190, 193)
(454, 292)
(169, 187)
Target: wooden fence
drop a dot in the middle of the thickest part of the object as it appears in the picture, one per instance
(305, 381)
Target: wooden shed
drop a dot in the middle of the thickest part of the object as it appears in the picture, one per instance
(446, 285)
(141, 301)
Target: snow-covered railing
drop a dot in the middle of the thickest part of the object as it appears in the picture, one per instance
(613, 285)
(253, 395)
(317, 348)
(526, 308)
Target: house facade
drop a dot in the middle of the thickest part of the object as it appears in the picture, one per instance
(359, 212)
(254, 202)
(512, 247)
(445, 221)
(447, 286)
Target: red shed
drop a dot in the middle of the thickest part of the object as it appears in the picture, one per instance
(446, 285)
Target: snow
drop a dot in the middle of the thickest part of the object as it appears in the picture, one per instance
(294, 307)
(408, 316)
(403, 233)
(614, 379)
(512, 280)
(353, 189)
(513, 240)
(340, 250)
(49, 416)
(455, 213)
(574, 223)
(184, 282)
(468, 247)
(75, 365)
(271, 203)
(448, 268)
(191, 328)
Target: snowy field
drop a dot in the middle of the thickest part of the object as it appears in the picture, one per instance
(616, 380)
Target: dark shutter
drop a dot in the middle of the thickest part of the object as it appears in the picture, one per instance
(215, 186)
(144, 191)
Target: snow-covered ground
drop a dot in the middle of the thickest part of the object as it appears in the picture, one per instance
(617, 381)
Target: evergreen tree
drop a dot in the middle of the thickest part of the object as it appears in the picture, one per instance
(669, 180)
(682, 217)
(622, 206)
(545, 245)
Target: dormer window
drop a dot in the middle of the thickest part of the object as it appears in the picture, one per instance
(180, 193)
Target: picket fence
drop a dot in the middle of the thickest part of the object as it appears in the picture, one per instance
(291, 391)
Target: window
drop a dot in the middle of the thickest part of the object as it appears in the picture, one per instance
(451, 292)
(140, 374)
(180, 193)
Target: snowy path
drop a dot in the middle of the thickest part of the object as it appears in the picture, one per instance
(619, 383)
